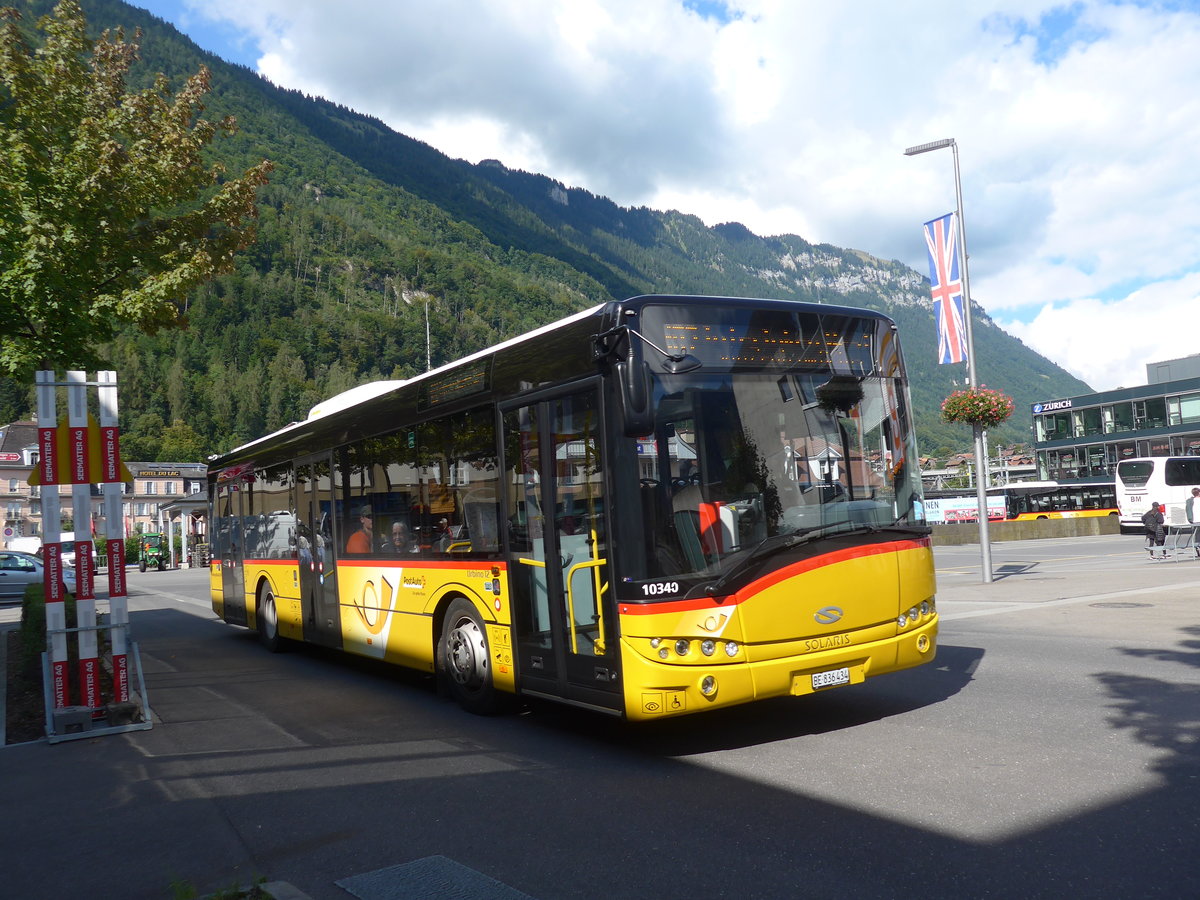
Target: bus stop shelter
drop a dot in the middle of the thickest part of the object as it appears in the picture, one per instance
(192, 513)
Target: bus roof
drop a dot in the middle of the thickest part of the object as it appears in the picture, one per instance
(1044, 485)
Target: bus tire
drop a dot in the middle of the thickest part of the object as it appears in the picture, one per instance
(267, 621)
(464, 662)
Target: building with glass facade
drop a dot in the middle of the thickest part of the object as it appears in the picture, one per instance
(1081, 439)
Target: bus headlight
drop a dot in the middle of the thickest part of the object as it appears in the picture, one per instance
(682, 647)
(709, 647)
(708, 685)
(731, 648)
(924, 609)
(912, 615)
(902, 620)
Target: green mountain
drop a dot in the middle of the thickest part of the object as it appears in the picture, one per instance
(366, 235)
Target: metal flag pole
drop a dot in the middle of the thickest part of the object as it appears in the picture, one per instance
(981, 478)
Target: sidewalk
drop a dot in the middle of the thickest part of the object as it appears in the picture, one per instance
(1021, 580)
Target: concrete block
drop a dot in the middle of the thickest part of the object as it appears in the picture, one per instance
(71, 719)
(123, 713)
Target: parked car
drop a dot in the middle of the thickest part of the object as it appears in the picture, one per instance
(19, 570)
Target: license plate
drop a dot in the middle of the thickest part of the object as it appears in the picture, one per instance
(832, 678)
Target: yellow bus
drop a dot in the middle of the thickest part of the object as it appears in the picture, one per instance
(1022, 501)
(654, 507)
(1025, 500)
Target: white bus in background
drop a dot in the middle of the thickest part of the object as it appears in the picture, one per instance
(1167, 480)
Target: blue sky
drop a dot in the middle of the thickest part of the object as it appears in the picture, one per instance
(1078, 126)
(222, 37)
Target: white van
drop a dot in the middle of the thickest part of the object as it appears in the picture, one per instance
(24, 544)
(67, 539)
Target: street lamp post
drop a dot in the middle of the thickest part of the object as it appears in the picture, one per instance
(985, 546)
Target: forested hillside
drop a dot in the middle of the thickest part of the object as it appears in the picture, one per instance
(365, 232)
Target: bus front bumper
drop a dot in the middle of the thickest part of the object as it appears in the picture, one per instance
(655, 690)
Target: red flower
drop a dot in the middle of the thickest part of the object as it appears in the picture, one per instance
(980, 406)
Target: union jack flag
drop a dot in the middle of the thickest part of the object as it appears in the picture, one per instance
(941, 239)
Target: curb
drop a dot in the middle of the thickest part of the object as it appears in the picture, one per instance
(276, 890)
(4, 685)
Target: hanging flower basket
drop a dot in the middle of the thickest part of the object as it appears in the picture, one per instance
(840, 394)
(980, 406)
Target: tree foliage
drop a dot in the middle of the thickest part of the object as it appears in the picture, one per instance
(108, 213)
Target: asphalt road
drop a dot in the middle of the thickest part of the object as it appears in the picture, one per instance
(1052, 750)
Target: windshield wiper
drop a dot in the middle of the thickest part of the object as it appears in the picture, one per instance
(777, 542)
(903, 525)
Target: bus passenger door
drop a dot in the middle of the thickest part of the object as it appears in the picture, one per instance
(315, 553)
(557, 546)
(229, 534)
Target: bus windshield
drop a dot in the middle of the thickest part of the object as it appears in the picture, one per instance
(736, 459)
(1135, 473)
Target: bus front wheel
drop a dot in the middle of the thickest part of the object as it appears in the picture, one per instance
(464, 662)
(268, 622)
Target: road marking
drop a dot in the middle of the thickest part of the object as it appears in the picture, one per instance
(1011, 606)
(176, 597)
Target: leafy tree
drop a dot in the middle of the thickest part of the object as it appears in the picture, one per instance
(108, 214)
(143, 439)
(180, 443)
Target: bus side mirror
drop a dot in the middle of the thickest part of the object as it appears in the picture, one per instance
(635, 391)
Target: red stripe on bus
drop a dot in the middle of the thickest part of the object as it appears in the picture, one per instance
(415, 562)
(797, 568)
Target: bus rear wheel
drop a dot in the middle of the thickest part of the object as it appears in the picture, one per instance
(464, 661)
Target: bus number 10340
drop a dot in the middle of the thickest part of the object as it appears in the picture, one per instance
(658, 588)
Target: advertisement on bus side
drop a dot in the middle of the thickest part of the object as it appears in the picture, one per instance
(948, 510)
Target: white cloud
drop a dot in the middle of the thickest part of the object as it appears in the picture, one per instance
(1109, 344)
(1078, 125)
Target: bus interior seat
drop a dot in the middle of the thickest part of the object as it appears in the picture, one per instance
(863, 512)
(687, 526)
